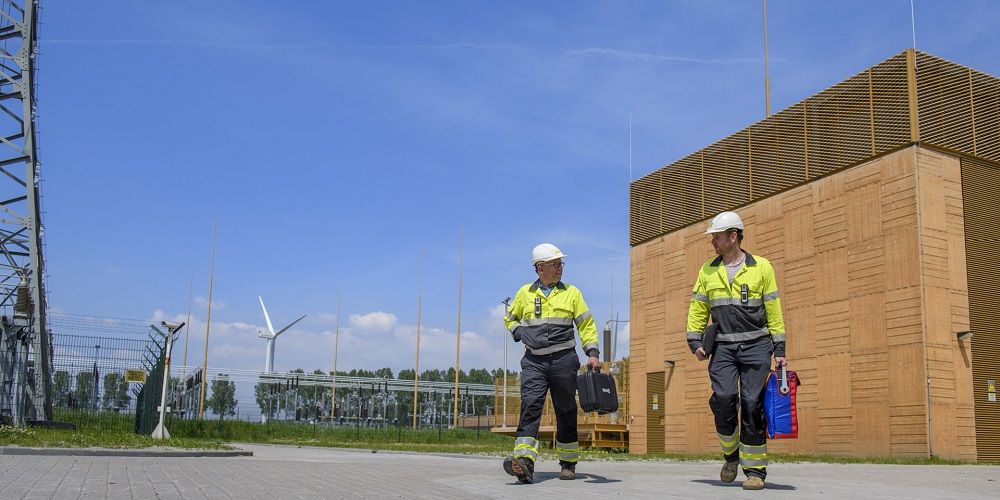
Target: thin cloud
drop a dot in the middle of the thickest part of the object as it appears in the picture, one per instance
(378, 320)
(604, 52)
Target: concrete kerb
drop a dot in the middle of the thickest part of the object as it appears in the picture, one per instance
(122, 452)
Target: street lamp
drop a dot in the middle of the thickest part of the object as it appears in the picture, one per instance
(160, 432)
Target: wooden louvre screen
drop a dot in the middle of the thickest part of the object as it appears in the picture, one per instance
(980, 185)
(911, 97)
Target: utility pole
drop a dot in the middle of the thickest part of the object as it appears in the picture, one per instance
(458, 330)
(416, 369)
(208, 325)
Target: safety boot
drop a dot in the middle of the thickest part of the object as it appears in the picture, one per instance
(728, 472)
(520, 467)
(568, 470)
(753, 483)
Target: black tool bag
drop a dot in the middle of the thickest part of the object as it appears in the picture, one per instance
(597, 392)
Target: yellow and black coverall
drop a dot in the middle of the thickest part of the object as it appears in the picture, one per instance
(544, 324)
(748, 315)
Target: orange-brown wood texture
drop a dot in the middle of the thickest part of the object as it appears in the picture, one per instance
(871, 268)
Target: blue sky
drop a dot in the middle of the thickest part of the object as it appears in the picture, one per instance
(333, 143)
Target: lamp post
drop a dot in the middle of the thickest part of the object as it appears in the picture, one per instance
(160, 432)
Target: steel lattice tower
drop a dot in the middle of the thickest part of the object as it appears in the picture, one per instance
(22, 290)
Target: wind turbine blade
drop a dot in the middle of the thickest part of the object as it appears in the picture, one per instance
(266, 317)
(290, 325)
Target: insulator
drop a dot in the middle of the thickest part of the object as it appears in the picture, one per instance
(23, 307)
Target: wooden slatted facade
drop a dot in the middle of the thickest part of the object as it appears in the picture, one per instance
(860, 196)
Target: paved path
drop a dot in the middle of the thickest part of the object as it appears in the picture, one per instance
(282, 472)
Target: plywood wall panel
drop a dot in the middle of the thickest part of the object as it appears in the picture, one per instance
(866, 267)
(906, 367)
(868, 323)
(833, 319)
(899, 204)
(835, 383)
(901, 250)
(864, 213)
(869, 380)
(829, 224)
(908, 430)
(836, 431)
(871, 430)
(800, 329)
(903, 317)
(832, 266)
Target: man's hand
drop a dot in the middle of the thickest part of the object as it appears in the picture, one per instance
(594, 363)
(700, 354)
(780, 361)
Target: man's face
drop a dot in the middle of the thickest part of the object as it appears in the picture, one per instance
(551, 271)
(724, 242)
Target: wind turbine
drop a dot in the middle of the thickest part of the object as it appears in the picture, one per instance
(270, 335)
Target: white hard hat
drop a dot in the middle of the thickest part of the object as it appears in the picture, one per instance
(724, 222)
(545, 252)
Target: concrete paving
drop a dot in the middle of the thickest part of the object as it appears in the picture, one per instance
(281, 472)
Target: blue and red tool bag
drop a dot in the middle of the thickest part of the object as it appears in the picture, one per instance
(779, 404)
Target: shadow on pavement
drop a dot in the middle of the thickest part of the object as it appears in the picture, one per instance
(768, 485)
(594, 478)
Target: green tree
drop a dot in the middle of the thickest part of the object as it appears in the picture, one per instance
(433, 375)
(60, 388)
(223, 401)
(85, 389)
(269, 394)
(116, 395)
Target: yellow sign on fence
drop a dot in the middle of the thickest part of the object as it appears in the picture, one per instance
(135, 376)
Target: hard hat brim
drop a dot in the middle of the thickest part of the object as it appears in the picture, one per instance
(550, 259)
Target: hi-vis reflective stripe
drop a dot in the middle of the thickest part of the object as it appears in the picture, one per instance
(742, 336)
(567, 451)
(753, 457)
(694, 335)
(778, 337)
(728, 301)
(569, 344)
(700, 297)
(547, 321)
(526, 447)
(590, 346)
(583, 317)
(770, 296)
(729, 443)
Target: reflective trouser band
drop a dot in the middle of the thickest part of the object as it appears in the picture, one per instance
(526, 447)
(742, 336)
(567, 451)
(569, 344)
(730, 443)
(753, 457)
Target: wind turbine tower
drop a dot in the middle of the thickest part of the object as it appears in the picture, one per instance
(271, 335)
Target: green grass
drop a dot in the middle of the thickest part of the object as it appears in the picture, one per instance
(35, 437)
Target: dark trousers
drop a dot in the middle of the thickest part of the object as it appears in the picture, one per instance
(739, 373)
(554, 372)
